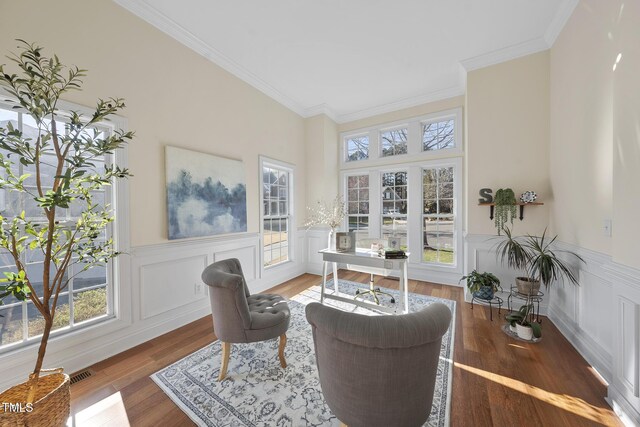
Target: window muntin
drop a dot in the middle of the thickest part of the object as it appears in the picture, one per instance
(91, 291)
(438, 225)
(276, 190)
(393, 142)
(394, 206)
(438, 135)
(358, 205)
(357, 148)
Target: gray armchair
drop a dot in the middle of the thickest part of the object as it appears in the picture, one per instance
(378, 370)
(238, 316)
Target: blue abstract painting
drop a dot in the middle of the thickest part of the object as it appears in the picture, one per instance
(206, 194)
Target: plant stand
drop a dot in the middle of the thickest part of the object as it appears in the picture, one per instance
(528, 299)
(495, 300)
(506, 330)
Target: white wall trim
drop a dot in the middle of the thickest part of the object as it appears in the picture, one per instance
(505, 54)
(182, 35)
(413, 101)
(320, 109)
(559, 21)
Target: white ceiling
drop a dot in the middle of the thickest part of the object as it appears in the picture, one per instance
(354, 58)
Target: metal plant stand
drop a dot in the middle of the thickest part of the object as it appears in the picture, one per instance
(495, 300)
(533, 299)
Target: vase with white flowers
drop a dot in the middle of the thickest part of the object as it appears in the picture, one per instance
(327, 214)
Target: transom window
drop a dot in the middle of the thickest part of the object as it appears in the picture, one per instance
(393, 142)
(88, 295)
(438, 215)
(438, 135)
(357, 148)
(276, 214)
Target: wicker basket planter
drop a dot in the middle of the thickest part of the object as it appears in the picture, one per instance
(50, 406)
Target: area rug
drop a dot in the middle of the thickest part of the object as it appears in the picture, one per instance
(257, 392)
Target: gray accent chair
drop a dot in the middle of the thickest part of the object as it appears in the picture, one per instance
(378, 370)
(238, 316)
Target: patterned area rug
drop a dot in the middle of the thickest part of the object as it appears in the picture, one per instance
(257, 392)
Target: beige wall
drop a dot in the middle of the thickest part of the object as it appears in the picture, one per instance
(581, 126)
(626, 134)
(173, 96)
(508, 138)
(419, 110)
(321, 138)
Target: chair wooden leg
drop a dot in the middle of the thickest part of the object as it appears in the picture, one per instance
(226, 350)
(283, 342)
(342, 424)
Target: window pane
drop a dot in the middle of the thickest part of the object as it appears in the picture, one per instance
(276, 212)
(438, 207)
(10, 323)
(89, 304)
(393, 142)
(358, 203)
(61, 319)
(438, 135)
(357, 148)
(96, 275)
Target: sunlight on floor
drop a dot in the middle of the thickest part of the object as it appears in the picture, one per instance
(108, 412)
(519, 346)
(568, 403)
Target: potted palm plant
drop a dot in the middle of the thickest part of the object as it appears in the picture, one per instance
(482, 285)
(70, 144)
(542, 265)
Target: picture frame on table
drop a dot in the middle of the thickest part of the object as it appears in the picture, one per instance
(345, 241)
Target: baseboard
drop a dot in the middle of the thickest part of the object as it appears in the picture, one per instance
(593, 353)
(629, 415)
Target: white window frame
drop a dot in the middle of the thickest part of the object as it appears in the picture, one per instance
(414, 141)
(413, 163)
(345, 148)
(119, 294)
(291, 234)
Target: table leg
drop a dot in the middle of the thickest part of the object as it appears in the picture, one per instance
(324, 281)
(335, 278)
(404, 279)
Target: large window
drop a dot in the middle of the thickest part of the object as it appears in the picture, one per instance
(358, 205)
(276, 213)
(411, 177)
(88, 296)
(394, 206)
(438, 245)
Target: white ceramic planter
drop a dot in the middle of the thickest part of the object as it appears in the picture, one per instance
(524, 332)
(513, 329)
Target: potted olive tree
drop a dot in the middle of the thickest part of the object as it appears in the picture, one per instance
(69, 143)
(541, 262)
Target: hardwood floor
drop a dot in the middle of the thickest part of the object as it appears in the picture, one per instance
(497, 381)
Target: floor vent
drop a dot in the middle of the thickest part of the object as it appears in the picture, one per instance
(79, 376)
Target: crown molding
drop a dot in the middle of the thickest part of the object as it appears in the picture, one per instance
(505, 54)
(320, 109)
(559, 21)
(165, 24)
(401, 104)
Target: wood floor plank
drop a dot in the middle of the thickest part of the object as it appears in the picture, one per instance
(497, 381)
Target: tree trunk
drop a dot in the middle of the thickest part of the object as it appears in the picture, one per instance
(48, 324)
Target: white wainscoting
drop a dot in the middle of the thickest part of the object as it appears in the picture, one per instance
(162, 291)
(600, 318)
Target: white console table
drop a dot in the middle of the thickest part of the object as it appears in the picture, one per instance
(366, 262)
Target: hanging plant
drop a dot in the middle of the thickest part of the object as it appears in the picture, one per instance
(505, 208)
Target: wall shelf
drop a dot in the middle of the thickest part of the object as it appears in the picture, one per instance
(520, 204)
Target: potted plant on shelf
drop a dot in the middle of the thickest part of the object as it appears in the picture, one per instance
(67, 144)
(505, 208)
(482, 285)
